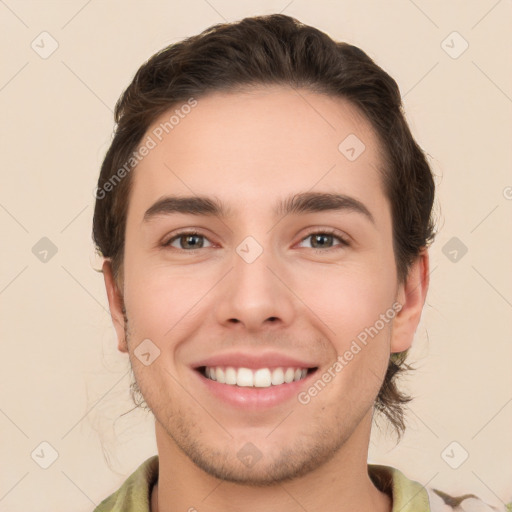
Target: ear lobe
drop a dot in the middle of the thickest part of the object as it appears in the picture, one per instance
(116, 305)
(411, 295)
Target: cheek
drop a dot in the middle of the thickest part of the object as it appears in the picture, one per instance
(161, 300)
(348, 299)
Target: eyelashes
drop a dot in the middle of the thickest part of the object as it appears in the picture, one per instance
(329, 233)
(184, 234)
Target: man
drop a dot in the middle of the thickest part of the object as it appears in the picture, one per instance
(264, 213)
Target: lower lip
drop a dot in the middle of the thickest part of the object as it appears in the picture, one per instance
(253, 398)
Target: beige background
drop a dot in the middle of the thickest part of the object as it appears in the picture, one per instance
(62, 380)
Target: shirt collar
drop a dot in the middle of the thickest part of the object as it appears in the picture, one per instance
(135, 494)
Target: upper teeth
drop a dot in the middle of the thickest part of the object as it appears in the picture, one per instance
(260, 378)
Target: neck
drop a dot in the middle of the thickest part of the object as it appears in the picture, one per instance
(341, 483)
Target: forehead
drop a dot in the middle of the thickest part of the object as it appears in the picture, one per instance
(249, 147)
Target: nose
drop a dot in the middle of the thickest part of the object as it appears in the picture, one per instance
(255, 294)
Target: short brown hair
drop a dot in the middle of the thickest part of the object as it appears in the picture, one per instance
(276, 50)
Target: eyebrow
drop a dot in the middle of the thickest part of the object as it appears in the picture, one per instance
(306, 202)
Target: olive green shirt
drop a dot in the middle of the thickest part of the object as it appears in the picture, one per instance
(407, 495)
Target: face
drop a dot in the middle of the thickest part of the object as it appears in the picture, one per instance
(281, 258)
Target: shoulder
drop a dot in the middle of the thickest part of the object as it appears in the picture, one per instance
(443, 502)
(409, 495)
(135, 493)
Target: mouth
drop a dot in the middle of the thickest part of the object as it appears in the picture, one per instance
(254, 382)
(242, 377)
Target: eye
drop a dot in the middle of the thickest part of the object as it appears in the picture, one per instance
(190, 240)
(323, 239)
(187, 240)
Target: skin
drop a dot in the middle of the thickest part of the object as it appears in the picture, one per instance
(250, 149)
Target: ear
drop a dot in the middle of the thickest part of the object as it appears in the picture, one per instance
(411, 295)
(115, 302)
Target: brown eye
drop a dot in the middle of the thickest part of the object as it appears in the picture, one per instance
(325, 240)
(187, 241)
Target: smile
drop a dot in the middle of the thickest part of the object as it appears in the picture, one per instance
(259, 378)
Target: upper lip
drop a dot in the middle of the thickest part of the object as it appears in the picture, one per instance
(254, 361)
